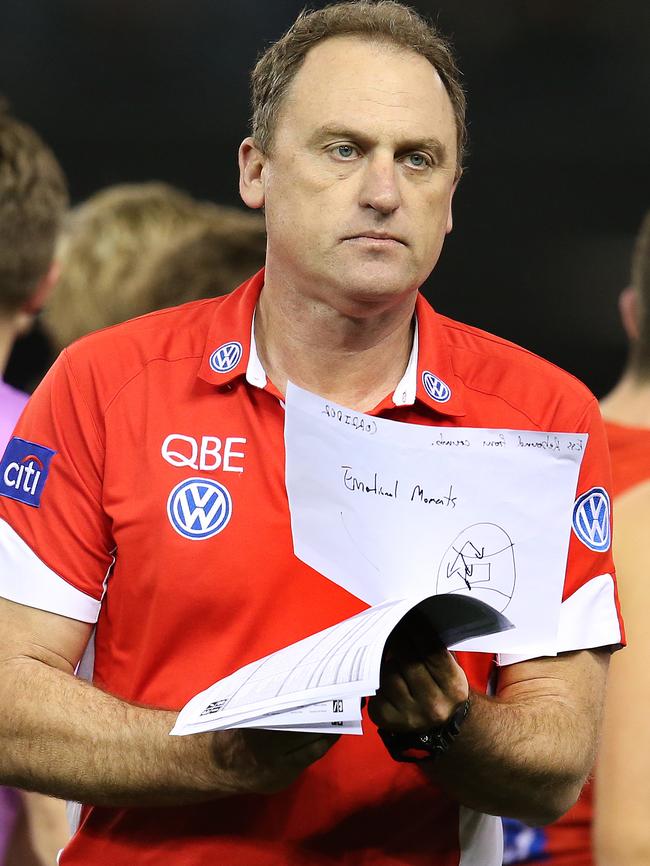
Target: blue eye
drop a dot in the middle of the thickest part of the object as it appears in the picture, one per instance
(418, 160)
(344, 150)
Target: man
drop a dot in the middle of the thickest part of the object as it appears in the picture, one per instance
(622, 789)
(355, 156)
(33, 200)
(609, 825)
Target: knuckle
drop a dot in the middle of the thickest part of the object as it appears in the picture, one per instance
(318, 749)
(437, 711)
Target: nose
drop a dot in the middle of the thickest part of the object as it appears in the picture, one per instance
(380, 184)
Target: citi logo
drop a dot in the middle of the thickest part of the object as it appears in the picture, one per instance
(24, 470)
(25, 475)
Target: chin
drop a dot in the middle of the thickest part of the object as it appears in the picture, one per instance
(360, 298)
(374, 284)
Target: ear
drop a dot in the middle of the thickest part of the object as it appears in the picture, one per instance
(629, 307)
(450, 218)
(251, 173)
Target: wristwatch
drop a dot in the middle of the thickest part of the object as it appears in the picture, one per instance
(416, 746)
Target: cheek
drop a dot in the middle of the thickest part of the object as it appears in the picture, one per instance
(438, 208)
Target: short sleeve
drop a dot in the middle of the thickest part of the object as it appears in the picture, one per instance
(590, 614)
(55, 538)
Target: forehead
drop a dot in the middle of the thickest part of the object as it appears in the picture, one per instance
(348, 80)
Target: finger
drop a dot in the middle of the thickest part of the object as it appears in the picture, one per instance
(309, 741)
(415, 650)
(281, 742)
(310, 751)
(394, 705)
(422, 693)
(393, 687)
(431, 704)
(384, 715)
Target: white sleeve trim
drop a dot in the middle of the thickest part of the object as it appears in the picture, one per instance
(25, 579)
(481, 838)
(588, 619)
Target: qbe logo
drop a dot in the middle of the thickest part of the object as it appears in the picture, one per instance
(591, 519)
(226, 357)
(24, 470)
(199, 508)
(435, 387)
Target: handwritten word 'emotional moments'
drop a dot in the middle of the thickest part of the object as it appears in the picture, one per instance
(391, 490)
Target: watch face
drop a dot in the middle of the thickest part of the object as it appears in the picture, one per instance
(413, 747)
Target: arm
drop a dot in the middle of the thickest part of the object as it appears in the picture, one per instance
(62, 736)
(622, 793)
(45, 828)
(524, 752)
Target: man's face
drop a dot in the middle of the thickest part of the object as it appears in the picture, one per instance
(358, 187)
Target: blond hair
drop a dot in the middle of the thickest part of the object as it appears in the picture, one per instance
(204, 261)
(33, 201)
(384, 21)
(108, 241)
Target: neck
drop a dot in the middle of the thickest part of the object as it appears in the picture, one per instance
(7, 336)
(351, 360)
(629, 402)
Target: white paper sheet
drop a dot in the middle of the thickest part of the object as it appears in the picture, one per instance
(389, 510)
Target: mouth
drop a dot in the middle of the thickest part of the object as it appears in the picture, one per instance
(379, 238)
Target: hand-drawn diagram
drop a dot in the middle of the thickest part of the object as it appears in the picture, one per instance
(480, 562)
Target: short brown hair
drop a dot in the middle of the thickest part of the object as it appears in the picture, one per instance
(383, 21)
(640, 354)
(111, 242)
(33, 201)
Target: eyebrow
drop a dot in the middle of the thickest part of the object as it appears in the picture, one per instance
(327, 131)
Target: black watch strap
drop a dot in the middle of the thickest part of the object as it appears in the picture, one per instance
(416, 746)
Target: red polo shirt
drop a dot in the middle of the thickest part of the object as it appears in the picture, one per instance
(146, 491)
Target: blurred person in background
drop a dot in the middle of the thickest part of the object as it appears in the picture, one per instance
(622, 785)
(126, 251)
(33, 200)
(116, 238)
(609, 825)
(203, 262)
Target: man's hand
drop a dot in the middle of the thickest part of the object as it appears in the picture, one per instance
(262, 762)
(524, 752)
(78, 742)
(421, 682)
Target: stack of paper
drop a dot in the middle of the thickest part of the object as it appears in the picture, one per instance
(317, 684)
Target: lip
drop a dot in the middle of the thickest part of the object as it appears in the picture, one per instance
(376, 236)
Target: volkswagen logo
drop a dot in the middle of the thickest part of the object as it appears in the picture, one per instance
(591, 519)
(226, 357)
(435, 387)
(199, 508)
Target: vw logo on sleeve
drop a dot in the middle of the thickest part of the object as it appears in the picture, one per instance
(435, 387)
(199, 508)
(226, 357)
(591, 519)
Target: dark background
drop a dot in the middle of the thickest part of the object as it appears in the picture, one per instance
(557, 178)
